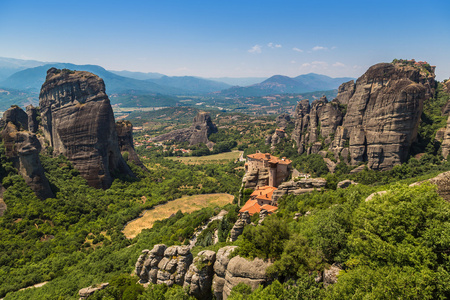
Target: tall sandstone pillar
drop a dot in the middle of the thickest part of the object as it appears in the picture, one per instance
(78, 122)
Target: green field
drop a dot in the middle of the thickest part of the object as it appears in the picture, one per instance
(221, 158)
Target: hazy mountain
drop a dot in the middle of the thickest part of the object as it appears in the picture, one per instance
(322, 82)
(33, 78)
(279, 84)
(239, 81)
(191, 84)
(9, 66)
(138, 75)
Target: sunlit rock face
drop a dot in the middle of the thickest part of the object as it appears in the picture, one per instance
(78, 122)
(373, 120)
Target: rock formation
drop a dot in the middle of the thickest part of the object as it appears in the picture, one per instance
(208, 270)
(198, 133)
(125, 137)
(251, 273)
(198, 279)
(164, 265)
(373, 120)
(283, 121)
(86, 292)
(22, 148)
(32, 114)
(315, 124)
(276, 138)
(78, 122)
(238, 228)
(299, 187)
(446, 140)
(345, 184)
(220, 268)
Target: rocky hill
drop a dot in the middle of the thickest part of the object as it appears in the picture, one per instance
(78, 122)
(373, 120)
(199, 131)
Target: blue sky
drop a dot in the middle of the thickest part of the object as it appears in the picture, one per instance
(228, 38)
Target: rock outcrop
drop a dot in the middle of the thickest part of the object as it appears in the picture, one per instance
(446, 140)
(250, 272)
(198, 279)
(220, 268)
(86, 292)
(164, 265)
(238, 228)
(208, 270)
(32, 114)
(276, 138)
(373, 120)
(302, 186)
(198, 133)
(315, 124)
(345, 184)
(283, 121)
(22, 148)
(330, 275)
(78, 122)
(125, 137)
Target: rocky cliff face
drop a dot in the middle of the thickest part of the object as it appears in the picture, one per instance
(208, 270)
(78, 122)
(373, 120)
(198, 133)
(125, 137)
(22, 148)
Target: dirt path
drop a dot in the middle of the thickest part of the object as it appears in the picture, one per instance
(186, 204)
(193, 240)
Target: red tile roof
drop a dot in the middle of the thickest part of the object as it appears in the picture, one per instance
(263, 193)
(269, 157)
(251, 206)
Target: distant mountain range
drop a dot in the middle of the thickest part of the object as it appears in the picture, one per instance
(27, 76)
(280, 84)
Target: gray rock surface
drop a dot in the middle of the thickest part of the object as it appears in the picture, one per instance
(32, 114)
(298, 187)
(125, 138)
(86, 292)
(22, 148)
(345, 184)
(220, 267)
(330, 275)
(174, 265)
(373, 120)
(17, 116)
(198, 133)
(238, 228)
(199, 277)
(78, 122)
(250, 272)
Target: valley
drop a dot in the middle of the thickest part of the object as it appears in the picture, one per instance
(330, 196)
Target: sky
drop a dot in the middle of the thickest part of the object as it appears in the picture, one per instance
(228, 38)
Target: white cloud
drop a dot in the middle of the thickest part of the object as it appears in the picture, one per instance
(317, 48)
(338, 64)
(272, 45)
(293, 62)
(334, 47)
(314, 66)
(255, 49)
(297, 49)
(319, 63)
